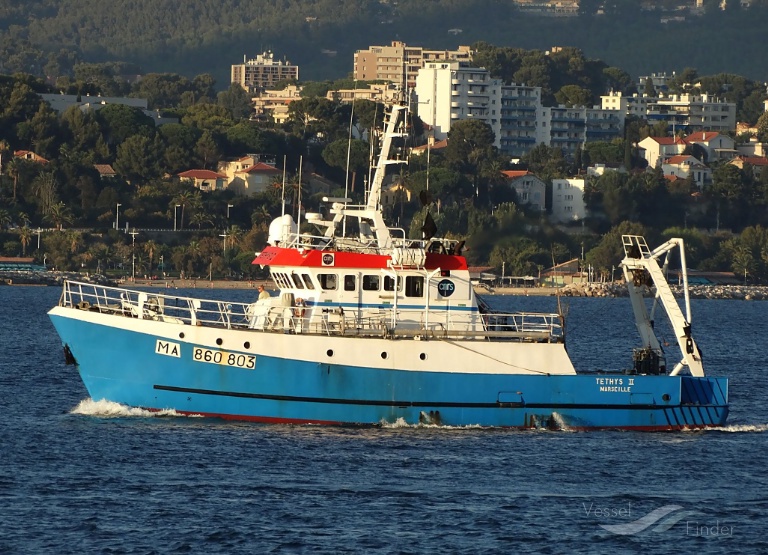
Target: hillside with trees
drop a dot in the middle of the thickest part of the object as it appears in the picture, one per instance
(726, 224)
(47, 38)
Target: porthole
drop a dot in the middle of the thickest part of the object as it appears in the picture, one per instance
(384, 355)
(247, 344)
(181, 335)
(423, 356)
(665, 397)
(329, 352)
(219, 341)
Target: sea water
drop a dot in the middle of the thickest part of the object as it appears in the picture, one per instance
(87, 476)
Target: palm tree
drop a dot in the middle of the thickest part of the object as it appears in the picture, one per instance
(75, 240)
(150, 247)
(185, 199)
(14, 168)
(5, 218)
(25, 237)
(199, 218)
(235, 236)
(261, 215)
(59, 214)
(23, 219)
(45, 186)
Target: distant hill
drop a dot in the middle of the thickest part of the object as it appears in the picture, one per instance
(47, 37)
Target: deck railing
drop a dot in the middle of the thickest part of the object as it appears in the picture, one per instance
(402, 323)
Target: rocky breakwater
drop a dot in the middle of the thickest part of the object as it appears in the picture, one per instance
(19, 277)
(616, 289)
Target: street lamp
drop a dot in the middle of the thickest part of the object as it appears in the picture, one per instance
(228, 207)
(225, 241)
(117, 217)
(174, 216)
(133, 234)
(162, 264)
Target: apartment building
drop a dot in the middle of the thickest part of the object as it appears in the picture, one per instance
(452, 91)
(567, 128)
(262, 72)
(400, 63)
(274, 103)
(447, 92)
(692, 112)
(568, 200)
(375, 93)
(520, 106)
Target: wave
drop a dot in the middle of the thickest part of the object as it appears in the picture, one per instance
(742, 428)
(401, 423)
(110, 409)
(731, 428)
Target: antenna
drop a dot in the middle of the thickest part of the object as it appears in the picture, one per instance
(298, 208)
(282, 197)
(349, 149)
(560, 312)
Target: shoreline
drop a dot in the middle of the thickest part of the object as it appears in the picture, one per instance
(614, 289)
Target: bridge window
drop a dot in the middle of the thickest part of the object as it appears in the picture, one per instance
(414, 286)
(327, 281)
(308, 281)
(371, 283)
(297, 280)
(389, 283)
(349, 282)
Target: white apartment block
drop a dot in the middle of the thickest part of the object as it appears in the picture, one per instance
(449, 91)
(400, 63)
(635, 105)
(262, 72)
(375, 93)
(274, 103)
(569, 128)
(568, 201)
(520, 105)
(692, 112)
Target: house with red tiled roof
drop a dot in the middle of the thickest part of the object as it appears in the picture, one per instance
(249, 174)
(529, 189)
(758, 163)
(105, 171)
(205, 180)
(657, 150)
(717, 146)
(29, 155)
(684, 166)
(436, 145)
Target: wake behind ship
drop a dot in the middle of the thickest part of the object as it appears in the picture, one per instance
(371, 327)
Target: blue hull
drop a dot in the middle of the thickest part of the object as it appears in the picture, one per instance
(121, 366)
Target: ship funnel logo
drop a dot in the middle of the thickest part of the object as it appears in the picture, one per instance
(446, 287)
